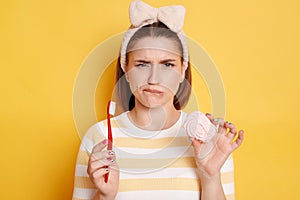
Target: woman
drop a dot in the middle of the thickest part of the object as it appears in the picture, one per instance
(153, 157)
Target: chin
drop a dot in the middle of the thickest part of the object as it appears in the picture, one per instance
(153, 104)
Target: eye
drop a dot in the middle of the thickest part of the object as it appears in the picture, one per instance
(169, 64)
(142, 65)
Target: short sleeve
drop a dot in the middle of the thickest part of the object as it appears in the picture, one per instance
(83, 187)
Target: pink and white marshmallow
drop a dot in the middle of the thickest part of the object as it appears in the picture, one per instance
(199, 127)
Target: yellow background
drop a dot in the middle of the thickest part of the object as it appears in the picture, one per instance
(255, 45)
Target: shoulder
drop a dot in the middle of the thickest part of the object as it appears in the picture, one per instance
(183, 116)
(98, 131)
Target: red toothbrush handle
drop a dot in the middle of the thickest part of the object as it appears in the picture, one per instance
(110, 140)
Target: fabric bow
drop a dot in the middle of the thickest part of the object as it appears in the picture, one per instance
(142, 14)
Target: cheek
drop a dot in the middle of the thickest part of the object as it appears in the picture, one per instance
(171, 80)
(136, 78)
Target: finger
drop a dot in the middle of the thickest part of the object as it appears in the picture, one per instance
(99, 173)
(201, 149)
(239, 140)
(210, 116)
(232, 129)
(197, 145)
(94, 166)
(220, 122)
(213, 120)
(97, 148)
(100, 146)
(101, 155)
(114, 175)
(216, 121)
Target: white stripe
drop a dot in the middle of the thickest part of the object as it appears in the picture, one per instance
(228, 188)
(140, 153)
(162, 173)
(124, 133)
(228, 166)
(159, 195)
(81, 170)
(87, 145)
(82, 193)
(100, 129)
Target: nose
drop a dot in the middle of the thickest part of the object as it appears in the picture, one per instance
(154, 76)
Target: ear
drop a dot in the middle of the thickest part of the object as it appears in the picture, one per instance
(181, 79)
(127, 77)
(184, 67)
(123, 67)
(123, 64)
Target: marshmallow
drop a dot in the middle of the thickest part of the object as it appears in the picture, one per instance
(199, 127)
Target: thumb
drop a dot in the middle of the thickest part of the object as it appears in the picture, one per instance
(197, 145)
(202, 149)
(114, 173)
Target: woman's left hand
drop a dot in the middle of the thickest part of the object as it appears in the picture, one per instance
(223, 146)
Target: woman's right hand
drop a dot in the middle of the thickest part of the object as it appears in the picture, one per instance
(100, 163)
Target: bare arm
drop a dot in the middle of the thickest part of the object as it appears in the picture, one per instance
(209, 166)
(212, 188)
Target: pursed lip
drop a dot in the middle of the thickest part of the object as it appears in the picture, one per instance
(153, 91)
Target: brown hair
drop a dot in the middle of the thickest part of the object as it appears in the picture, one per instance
(123, 93)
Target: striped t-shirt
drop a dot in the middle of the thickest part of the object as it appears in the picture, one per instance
(153, 164)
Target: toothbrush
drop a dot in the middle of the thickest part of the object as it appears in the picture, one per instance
(111, 108)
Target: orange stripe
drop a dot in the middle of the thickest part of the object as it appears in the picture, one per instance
(159, 184)
(115, 124)
(83, 157)
(181, 162)
(83, 182)
(152, 143)
(227, 177)
(149, 184)
(230, 197)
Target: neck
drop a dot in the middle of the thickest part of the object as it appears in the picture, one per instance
(157, 118)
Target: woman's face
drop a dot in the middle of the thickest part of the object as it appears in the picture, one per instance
(154, 71)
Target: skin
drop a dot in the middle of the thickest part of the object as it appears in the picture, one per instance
(154, 74)
(100, 163)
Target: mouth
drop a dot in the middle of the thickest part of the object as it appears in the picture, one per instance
(153, 92)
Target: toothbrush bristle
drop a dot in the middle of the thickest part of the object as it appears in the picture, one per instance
(112, 108)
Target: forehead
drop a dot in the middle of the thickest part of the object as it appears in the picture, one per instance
(160, 44)
(153, 54)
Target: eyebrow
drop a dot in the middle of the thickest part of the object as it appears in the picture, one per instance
(142, 61)
(167, 61)
(161, 62)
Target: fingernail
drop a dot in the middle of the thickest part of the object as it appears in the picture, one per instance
(112, 160)
(216, 120)
(104, 141)
(191, 139)
(111, 152)
(208, 114)
(228, 122)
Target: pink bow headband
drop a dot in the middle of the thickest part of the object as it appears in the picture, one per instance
(142, 14)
